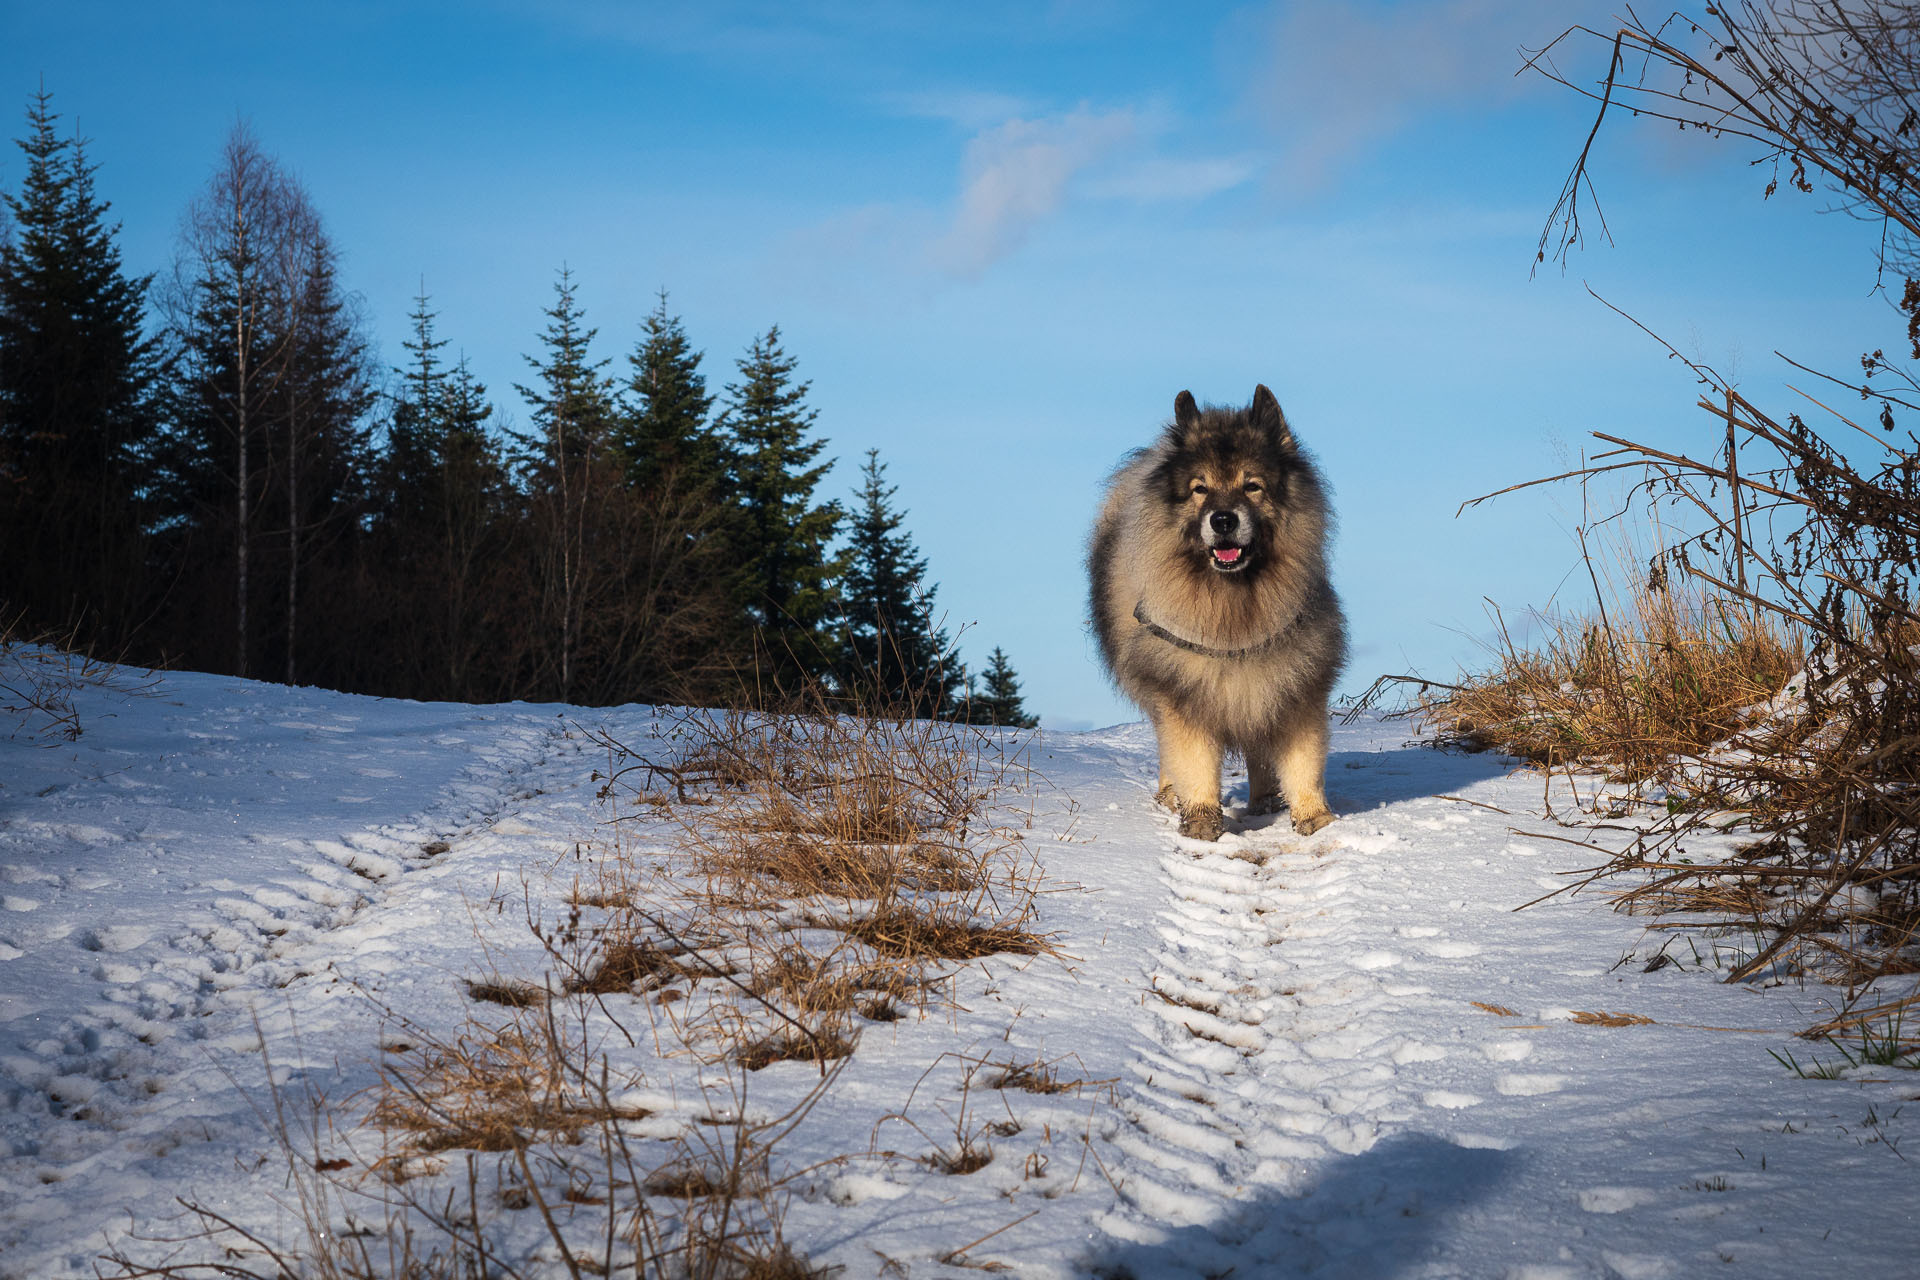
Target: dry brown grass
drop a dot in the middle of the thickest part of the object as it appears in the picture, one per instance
(40, 677)
(826, 873)
(1041, 1077)
(631, 966)
(493, 1089)
(514, 995)
(1636, 689)
(823, 1046)
(1766, 720)
(844, 864)
(907, 931)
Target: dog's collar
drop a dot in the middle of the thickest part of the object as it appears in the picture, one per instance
(1194, 646)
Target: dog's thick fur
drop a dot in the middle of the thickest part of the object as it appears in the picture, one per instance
(1213, 610)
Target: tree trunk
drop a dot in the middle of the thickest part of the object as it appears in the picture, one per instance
(293, 530)
(241, 392)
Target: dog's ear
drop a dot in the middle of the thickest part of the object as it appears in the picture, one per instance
(1185, 412)
(1265, 414)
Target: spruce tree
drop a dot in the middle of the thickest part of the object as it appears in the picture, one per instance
(788, 578)
(78, 406)
(473, 529)
(999, 702)
(898, 657)
(319, 455)
(664, 438)
(409, 464)
(564, 462)
(469, 458)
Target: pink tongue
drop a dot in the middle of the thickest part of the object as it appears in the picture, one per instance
(1228, 554)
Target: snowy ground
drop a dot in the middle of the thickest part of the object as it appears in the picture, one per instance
(1343, 1056)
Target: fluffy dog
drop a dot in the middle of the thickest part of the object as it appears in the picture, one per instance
(1213, 610)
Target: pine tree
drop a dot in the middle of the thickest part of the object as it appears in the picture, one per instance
(77, 399)
(664, 437)
(898, 657)
(572, 402)
(442, 544)
(564, 462)
(999, 702)
(472, 530)
(318, 447)
(409, 464)
(788, 578)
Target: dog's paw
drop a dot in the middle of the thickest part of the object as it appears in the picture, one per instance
(1202, 822)
(1308, 823)
(1167, 800)
(1266, 804)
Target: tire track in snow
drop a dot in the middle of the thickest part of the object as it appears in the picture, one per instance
(169, 991)
(1267, 1060)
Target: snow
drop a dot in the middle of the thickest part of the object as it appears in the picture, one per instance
(1345, 1055)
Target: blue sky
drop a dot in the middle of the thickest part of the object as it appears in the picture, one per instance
(1001, 237)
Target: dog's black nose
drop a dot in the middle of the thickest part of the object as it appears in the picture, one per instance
(1224, 522)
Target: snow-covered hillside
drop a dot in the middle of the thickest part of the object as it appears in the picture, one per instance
(1345, 1055)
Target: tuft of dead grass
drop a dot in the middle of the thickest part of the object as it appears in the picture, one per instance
(493, 1088)
(823, 1046)
(1040, 1077)
(908, 932)
(844, 863)
(1638, 690)
(514, 995)
(631, 965)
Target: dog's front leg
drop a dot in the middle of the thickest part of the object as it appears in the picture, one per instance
(1190, 769)
(1303, 771)
(1263, 778)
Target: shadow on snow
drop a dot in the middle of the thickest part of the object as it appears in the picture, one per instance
(1384, 1213)
(1359, 781)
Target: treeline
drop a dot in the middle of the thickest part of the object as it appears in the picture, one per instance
(210, 470)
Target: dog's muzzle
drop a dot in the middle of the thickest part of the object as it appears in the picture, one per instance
(1222, 533)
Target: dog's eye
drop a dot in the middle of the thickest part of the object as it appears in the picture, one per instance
(1253, 486)
(1199, 488)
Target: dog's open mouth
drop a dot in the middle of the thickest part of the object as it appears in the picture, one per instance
(1228, 559)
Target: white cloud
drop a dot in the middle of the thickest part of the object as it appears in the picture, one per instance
(1024, 171)
(1016, 174)
(1158, 178)
(1335, 80)
(968, 108)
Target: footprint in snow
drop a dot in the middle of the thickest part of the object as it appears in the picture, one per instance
(1415, 1051)
(1450, 1100)
(1615, 1199)
(1639, 1266)
(115, 938)
(1523, 1086)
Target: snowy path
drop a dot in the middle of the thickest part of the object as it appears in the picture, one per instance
(163, 874)
(1323, 1096)
(1305, 1082)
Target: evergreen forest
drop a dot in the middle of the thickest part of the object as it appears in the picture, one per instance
(208, 468)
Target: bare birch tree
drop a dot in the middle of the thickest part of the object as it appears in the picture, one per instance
(235, 278)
